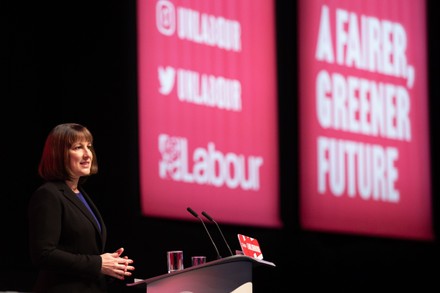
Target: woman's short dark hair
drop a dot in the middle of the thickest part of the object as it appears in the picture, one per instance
(54, 163)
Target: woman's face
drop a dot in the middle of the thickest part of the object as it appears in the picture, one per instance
(81, 157)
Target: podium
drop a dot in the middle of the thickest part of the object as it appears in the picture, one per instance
(231, 274)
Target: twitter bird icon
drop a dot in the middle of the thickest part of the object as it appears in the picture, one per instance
(166, 79)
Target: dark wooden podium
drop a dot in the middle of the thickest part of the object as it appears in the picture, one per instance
(225, 275)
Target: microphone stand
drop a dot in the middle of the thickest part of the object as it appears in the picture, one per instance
(192, 212)
(218, 227)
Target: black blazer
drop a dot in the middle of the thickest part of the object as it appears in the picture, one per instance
(65, 241)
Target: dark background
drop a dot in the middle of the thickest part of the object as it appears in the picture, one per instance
(70, 61)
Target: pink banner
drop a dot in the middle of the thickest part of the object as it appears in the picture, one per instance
(364, 151)
(207, 110)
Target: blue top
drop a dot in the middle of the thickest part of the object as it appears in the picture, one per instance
(81, 197)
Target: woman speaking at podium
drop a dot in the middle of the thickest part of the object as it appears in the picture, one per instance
(67, 234)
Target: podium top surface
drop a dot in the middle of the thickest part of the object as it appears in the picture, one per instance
(235, 258)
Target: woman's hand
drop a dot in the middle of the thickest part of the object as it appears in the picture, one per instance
(116, 266)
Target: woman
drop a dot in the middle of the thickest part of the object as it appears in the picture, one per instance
(66, 232)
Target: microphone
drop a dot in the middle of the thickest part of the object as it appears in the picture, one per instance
(192, 212)
(218, 227)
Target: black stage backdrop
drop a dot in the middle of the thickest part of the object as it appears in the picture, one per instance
(71, 61)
